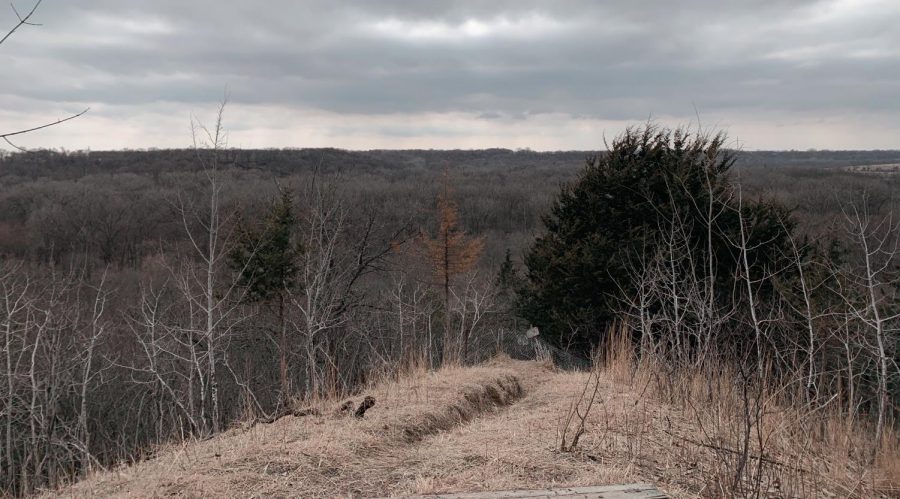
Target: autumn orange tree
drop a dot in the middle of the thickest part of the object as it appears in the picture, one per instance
(451, 252)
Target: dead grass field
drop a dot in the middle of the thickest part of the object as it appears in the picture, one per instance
(491, 427)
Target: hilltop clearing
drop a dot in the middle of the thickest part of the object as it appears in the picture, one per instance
(490, 427)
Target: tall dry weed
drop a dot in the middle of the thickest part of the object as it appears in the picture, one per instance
(753, 437)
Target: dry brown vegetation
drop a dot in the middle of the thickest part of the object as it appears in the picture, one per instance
(127, 325)
(885, 170)
(722, 435)
(497, 426)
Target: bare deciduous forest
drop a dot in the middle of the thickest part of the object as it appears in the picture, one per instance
(667, 308)
(132, 316)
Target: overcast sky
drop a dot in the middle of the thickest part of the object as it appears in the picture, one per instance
(560, 74)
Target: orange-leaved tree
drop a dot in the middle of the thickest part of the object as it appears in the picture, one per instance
(451, 252)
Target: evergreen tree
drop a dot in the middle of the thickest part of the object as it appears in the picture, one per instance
(507, 282)
(623, 204)
(266, 257)
(507, 277)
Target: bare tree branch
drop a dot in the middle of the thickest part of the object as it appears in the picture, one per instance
(25, 21)
(5, 136)
(22, 20)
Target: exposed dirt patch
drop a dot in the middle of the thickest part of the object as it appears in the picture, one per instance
(474, 400)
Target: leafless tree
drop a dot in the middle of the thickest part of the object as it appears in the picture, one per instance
(810, 316)
(211, 295)
(339, 253)
(94, 330)
(413, 312)
(26, 21)
(16, 303)
(873, 301)
(472, 303)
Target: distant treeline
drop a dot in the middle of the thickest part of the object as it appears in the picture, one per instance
(73, 164)
(115, 206)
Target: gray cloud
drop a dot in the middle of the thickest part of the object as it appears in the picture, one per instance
(819, 66)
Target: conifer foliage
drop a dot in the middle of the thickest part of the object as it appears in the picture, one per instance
(266, 257)
(450, 252)
(626, 205)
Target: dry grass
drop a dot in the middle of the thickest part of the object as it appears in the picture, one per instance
(491, 427)
(695, 442)
(325, 455)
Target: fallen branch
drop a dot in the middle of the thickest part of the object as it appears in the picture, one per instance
(309, 411)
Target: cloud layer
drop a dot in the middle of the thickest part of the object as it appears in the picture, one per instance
(557, 74)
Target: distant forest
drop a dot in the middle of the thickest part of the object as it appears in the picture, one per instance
(113, 205)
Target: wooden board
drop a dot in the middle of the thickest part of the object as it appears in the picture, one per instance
(630, 491)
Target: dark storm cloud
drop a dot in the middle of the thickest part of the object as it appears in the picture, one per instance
(498, 61)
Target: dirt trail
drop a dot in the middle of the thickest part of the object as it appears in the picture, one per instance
(490, 427)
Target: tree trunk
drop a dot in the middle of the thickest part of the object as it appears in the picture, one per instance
(282, 350)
